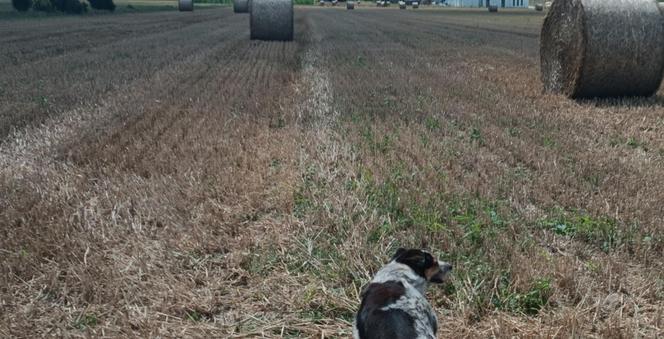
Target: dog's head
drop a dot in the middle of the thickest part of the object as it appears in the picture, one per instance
(423, 263)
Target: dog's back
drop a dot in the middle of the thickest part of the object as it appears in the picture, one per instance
(377, 320)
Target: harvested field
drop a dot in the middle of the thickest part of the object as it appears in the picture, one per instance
(162, 175)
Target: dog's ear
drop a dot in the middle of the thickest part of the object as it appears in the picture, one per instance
(400, 251)
(419, 261)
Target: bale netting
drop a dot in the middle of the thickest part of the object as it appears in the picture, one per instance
(271, 20)
(493, 9)
(241, 6)
(185, 5)
(539, 7)
(602, 48)
(350, 5)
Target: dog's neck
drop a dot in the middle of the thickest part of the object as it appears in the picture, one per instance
(395, 271)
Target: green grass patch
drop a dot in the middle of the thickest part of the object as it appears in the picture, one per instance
(262, 261)
(431, 123)
(87, 320)
(601, 231)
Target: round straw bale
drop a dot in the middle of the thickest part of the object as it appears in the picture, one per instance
(271, 20)
(350, 5)
(602, 48)
(321, 3)
(334, 2)
(493, 9)
(539, 7)
(186, 5)
(241, 6)
(402, 5)
(416, 5)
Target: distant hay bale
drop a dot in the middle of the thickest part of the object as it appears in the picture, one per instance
(271, 20)
(539, 7)
(493, 9)
(416, 5)
(602, 48)
(334, 2)
(321, 3)
(402, 5)
(350, 5)
(185, 5)
(241, 6)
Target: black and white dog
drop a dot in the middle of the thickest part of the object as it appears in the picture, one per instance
(394, 305)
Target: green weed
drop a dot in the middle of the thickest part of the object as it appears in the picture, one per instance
(476, 135)
(528, 302)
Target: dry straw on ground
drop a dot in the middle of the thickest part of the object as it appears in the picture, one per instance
(186, 5)
(233, 189)
(272, 20)
(241, 6)
(603, 48)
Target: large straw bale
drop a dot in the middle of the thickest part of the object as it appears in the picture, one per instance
(271, 20)
(185, 5)
(602, 48)
(241, 6)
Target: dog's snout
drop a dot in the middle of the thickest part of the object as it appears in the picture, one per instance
(446, 267)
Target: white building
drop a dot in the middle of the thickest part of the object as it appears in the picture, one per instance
(486, 3)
